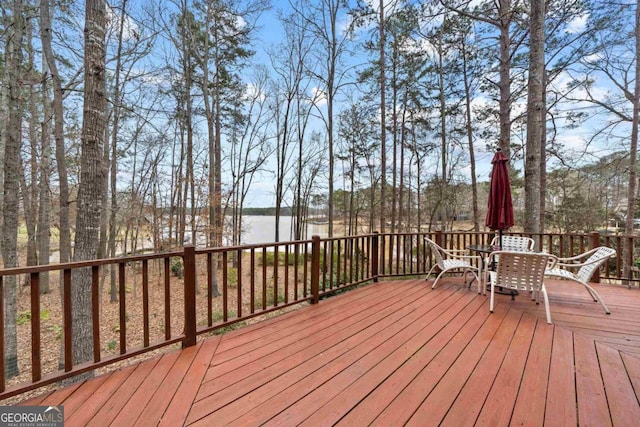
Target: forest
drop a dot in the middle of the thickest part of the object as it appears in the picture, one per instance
(170, 118)
(205, 108)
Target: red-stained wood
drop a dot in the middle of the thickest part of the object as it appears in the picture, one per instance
(621, 398)
(501, 399)
(440, 399)
(382, 384)
(299, 351)
(561, 391)
(274, 325)
(468, 404)
(632, 366)
(399, 348)
(93, 393)
(531, 397)
(391, 353)
(355, 300)
(397, 407)
(53, 398)
(322, 363)
(178, 409)
(36, 368)
(592, 399)
(291, 336)
(165, 392)
(111, 408)
(143, 394)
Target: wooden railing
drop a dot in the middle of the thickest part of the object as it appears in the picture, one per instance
(171, 298)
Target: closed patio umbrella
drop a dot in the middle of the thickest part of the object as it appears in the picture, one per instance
(500, 205)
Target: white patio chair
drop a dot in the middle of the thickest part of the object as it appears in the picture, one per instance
(456, 259)
(522, 271)
(514, 243)
(593, 259)
(510, 243)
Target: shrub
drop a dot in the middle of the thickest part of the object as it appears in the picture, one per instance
(177, 268)
(282, 259)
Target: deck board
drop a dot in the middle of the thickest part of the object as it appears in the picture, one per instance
(276, 396)
(561, 392)
(112, 407)
(319, 352)
(379, 386)
(592, 399)
(424, 345)
(501, 399)
(95, 392)
(532, 394)
(441, 385)
(472, 397)
(622, 400)
(141, 398)
(391, 353)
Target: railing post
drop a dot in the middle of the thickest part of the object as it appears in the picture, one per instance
(595, 242)
(438, 238)
(375, 241)
(189, 296)
(315, 269)
(628, 263)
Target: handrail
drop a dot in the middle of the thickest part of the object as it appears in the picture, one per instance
(242, 282)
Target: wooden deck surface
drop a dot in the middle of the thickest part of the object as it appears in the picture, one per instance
(388, 354)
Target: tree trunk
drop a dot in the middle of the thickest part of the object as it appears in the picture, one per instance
(30, 191)
(443, 135)
(536, 116)
(504, 18)
(58, 133)
(469, 130)
(12, 174)
(383, 129)
(43, 232)
(633, 154)
(91, 178)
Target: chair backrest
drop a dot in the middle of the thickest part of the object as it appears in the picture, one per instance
(514, 243)
(522, 270)
(599, 257)
(437, 251)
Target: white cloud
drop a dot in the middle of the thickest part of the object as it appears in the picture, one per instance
(240, 22)
(572, 141)
(253, 91)
(578, 24)
(318, 96)
(130, 29)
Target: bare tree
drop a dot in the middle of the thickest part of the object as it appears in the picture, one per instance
(633, 154)
(58, 132)
(249, 147)
(501, 15)
(12, 173)
(536, 119)
(92, 177)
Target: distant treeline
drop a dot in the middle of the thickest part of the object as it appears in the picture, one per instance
(284, 211)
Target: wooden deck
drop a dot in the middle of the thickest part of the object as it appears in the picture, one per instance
(389, 354)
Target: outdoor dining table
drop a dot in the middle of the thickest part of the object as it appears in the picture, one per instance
(484, 250)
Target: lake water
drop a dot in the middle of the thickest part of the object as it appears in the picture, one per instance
(261, 229)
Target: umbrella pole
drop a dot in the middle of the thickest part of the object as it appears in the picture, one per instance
(500, 234)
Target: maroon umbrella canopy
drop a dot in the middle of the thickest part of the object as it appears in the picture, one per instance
(500, 206)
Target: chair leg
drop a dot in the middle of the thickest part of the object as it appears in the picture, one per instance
(491, 298)
(596, 297)
(546, 304)
(477, 277)
(438, 278)
(429, 273)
